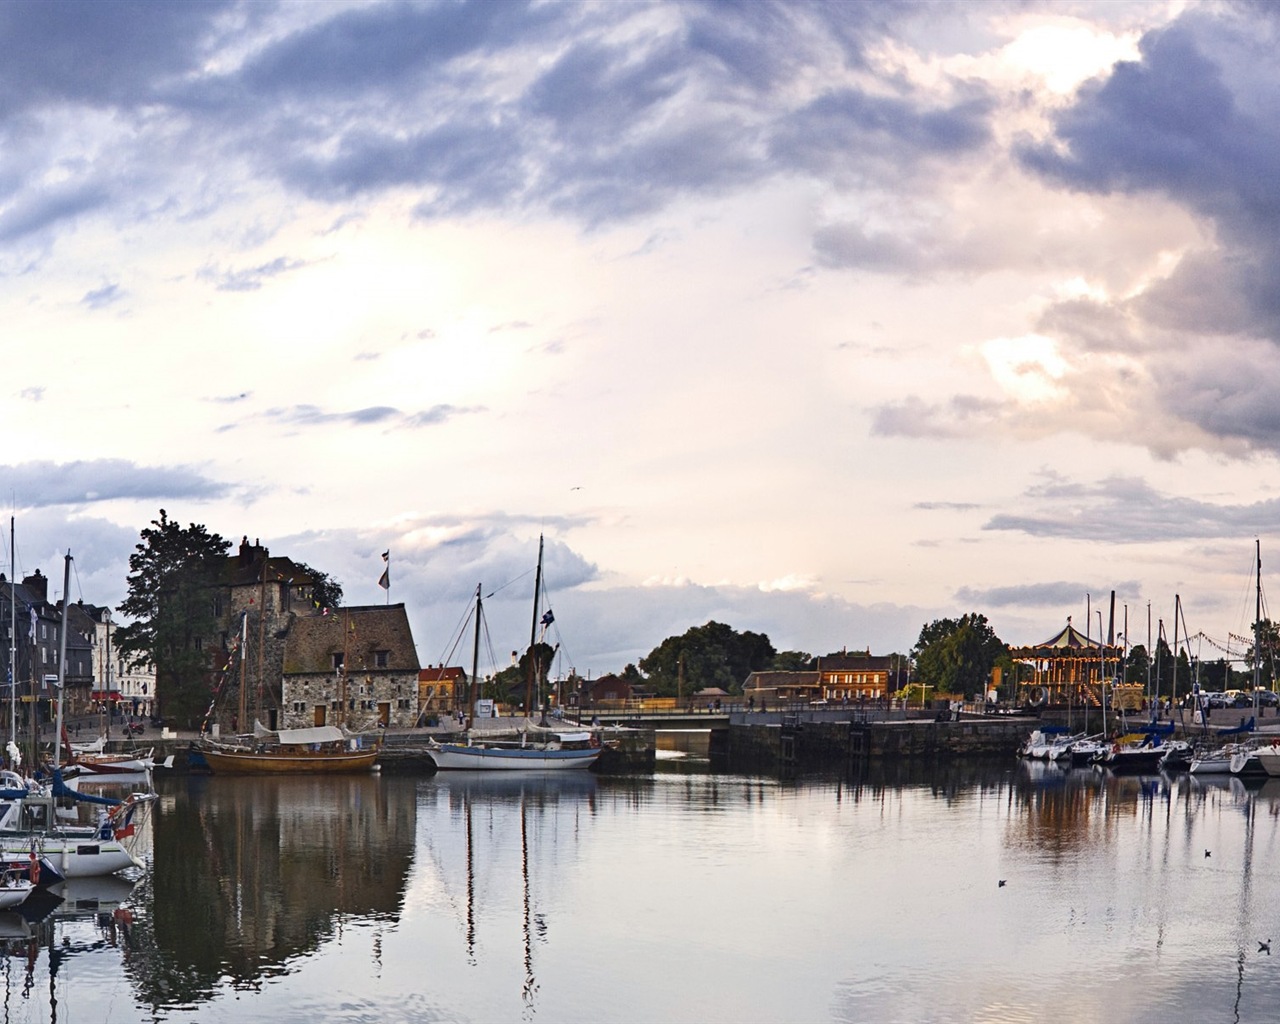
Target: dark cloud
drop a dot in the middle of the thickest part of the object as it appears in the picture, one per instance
(1126, 510)
(1181, 122)
(594, 112)
(98, 52)
(41, 484)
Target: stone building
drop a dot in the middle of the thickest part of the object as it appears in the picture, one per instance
(356, 667)
(260, 599)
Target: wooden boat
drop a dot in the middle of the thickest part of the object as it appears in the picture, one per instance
(319, 750)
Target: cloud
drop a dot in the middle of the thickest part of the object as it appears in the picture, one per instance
(1127, 510)
(42, 484)
(376, 415)
(102, 297)
(1047, 595)
(250, 278)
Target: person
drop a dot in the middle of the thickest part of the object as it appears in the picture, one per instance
(751, 703)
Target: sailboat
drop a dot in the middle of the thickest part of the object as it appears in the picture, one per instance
(528, 748)
(321, 749)
(32, 837)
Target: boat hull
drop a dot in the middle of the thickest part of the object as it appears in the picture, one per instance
(230, 762)
(459, 757)
(72, 856)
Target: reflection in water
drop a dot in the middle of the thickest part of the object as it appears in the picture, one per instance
(251, 873)
(510, 805)
(675, 896)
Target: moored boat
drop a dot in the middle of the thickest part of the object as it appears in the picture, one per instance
(318, 750)
(553, 750)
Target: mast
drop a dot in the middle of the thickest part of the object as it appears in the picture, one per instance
(13, 641)
(1177, 609)
(533, 637)
(62, 661)
(244, 643)
(1257, 626)
(469, 707)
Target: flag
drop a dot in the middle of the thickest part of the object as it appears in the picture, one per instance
(384, 581)
(548, 618)
(31, 633)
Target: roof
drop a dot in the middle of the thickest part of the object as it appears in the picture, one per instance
(357, 633)
(1066, 642)
(439, 673)
(855, 662)
(778, 677)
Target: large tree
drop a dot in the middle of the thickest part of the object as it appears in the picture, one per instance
(957, 655)
(173, 578)
(710, 655)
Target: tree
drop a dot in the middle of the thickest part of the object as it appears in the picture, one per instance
(510, 684)
(957, 655)
(325, 591)
(172, 582)
(1137, 664)
(710, 655)
(792, 661)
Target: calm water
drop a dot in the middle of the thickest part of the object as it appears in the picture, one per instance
(682, 896)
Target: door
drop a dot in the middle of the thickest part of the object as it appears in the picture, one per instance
(384, 713)
(319, 715)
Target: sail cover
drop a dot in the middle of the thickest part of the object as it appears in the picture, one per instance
(316, 734)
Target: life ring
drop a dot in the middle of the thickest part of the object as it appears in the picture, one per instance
(1039, 697)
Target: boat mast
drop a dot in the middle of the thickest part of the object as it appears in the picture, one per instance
(62, 661)
(469, 707)
(244, 643)
(13, 640)
(533, 638)
(1257, 626)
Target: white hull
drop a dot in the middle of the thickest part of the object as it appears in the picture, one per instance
(14, 892)
(70, 856)
(457, 757)
(1269, 758)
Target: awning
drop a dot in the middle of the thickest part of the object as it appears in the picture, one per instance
(106, 695)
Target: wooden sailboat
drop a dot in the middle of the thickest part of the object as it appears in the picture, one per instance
(323, 749)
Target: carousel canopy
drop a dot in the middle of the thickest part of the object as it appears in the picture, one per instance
(1068, 642)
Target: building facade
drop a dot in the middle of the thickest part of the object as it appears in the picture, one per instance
(357, 667)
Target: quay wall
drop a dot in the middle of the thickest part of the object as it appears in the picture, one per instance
(808, 744)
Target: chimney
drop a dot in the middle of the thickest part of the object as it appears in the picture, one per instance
(38, 584)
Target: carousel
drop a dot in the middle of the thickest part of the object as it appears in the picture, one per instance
(1070, 669)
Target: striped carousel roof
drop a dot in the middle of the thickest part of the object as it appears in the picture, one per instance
(1068, 642)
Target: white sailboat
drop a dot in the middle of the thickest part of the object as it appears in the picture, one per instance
(519, 748)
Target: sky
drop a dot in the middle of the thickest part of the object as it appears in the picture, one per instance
(820, 320)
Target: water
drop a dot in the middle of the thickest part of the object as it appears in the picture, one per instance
(682, 896)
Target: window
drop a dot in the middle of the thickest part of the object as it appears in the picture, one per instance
(381, 658)
(337, 660)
